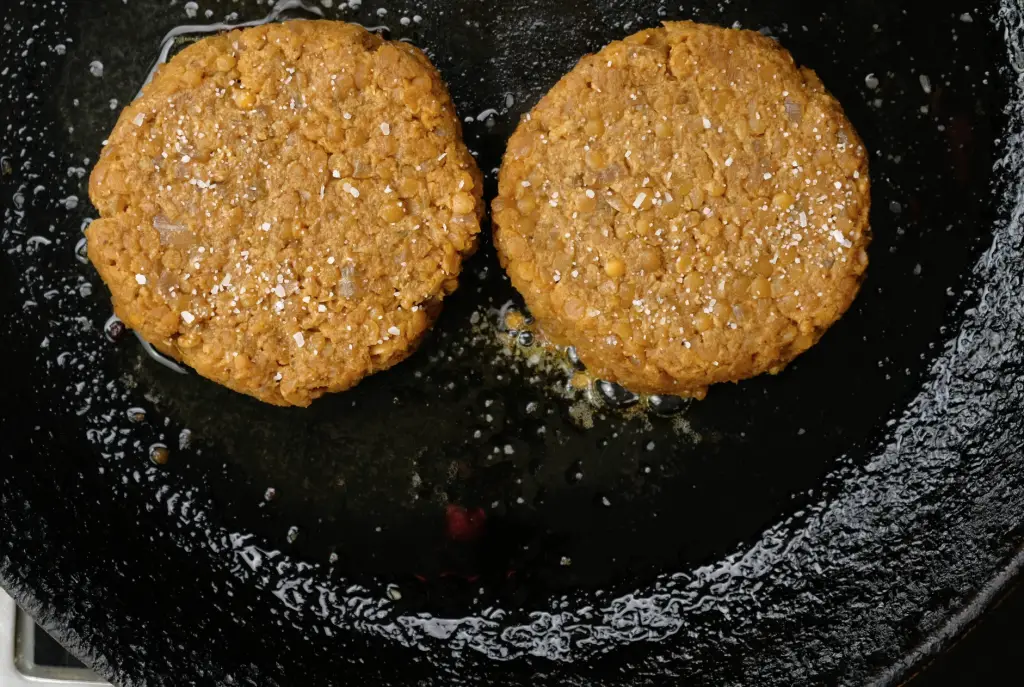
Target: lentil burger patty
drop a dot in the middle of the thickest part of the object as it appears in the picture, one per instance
(685, 207)
(284, 207)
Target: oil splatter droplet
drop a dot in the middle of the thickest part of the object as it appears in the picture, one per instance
(114, 329)
(615, 395)
(82, 251)
(159, 454)
(664, 406)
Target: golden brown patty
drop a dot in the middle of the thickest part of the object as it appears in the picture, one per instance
(685, 207)
(284, 207)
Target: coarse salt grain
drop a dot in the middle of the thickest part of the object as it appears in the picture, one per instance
(840, 239)
(639, 200)
(385, 128)
(330, 260)
(394, 331)
(139, 119)
(140, 278)
(707, 123)
(265, 226)
(590, 193)
(188, 317)
(300, 340)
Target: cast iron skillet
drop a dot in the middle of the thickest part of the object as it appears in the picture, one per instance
(454, 521)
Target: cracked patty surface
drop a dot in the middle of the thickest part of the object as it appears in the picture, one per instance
(685, 207)
(284, 207)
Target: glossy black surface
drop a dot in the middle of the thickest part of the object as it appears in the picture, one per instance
(454, 520)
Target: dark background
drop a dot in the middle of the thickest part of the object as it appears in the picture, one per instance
(987, 653)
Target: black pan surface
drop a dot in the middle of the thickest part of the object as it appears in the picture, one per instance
(463, 518)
